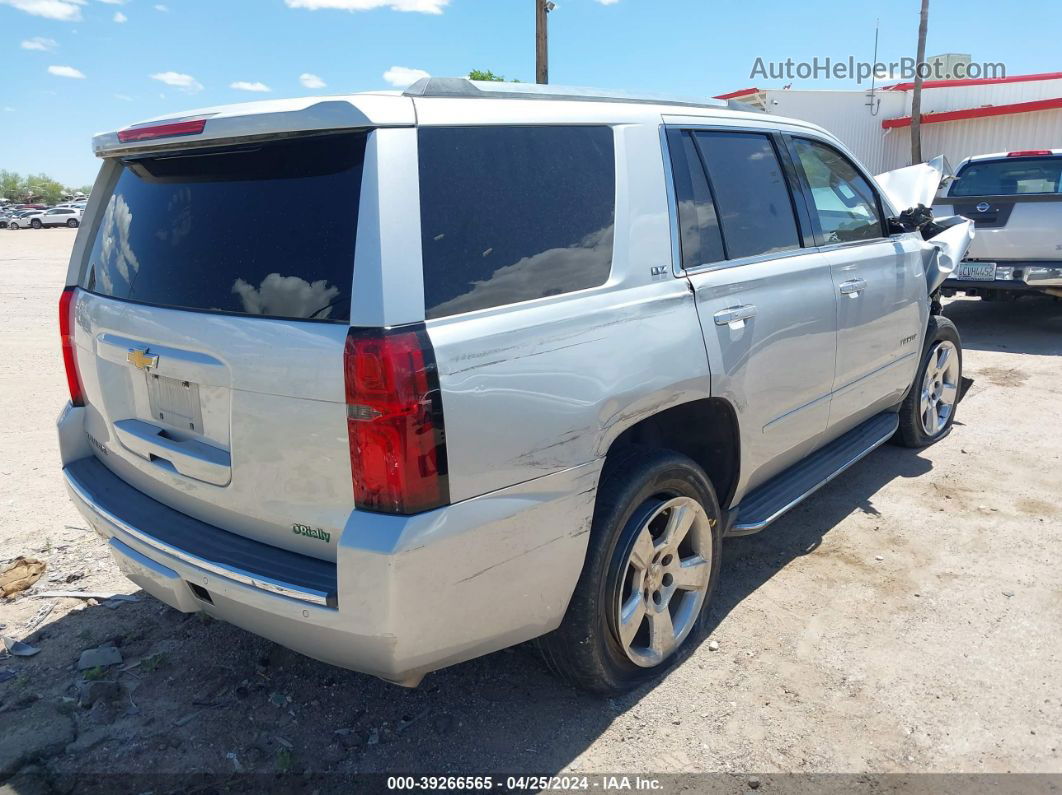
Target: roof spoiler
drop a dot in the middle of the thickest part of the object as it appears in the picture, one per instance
(256, 121)
(463, 88)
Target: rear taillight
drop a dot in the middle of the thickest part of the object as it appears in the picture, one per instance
(168, 130)
(1030, 153)
(66, 333)
(394, 421)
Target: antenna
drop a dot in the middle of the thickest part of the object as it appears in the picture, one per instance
(870, 103)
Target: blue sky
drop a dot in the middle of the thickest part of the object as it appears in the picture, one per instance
(71, 68)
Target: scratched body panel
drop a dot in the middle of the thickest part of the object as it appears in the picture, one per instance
(533, 388)
(534, 391)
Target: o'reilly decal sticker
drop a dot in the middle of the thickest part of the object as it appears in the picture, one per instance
(311, 532)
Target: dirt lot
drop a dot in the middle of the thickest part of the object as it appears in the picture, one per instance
(905, 619)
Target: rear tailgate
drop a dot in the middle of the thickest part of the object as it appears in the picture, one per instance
(1010, 227)
(1015, 203)
(211, 318)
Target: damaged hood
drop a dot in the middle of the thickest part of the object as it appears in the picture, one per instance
(914, 185)
(911, 191)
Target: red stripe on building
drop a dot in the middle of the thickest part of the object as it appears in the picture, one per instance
(977, 113)
(734, 94)
(974, 81)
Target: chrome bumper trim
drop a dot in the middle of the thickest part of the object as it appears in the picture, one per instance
(237, 575)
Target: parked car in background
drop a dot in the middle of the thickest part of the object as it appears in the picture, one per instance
(62, 216)
(621, 331)
(27, 219)
(1015, 200)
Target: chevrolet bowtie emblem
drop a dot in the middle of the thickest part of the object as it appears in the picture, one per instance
(141, 359)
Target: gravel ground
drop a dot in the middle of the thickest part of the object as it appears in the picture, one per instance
(903, 620)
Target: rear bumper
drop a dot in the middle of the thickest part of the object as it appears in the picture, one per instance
(1039, 276)
(409, 594)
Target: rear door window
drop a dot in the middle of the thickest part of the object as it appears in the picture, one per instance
(511, 214)
(701, 240)
(842, 199)
(264, 229)
(751, 194)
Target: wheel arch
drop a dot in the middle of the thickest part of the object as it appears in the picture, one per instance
(705, 430)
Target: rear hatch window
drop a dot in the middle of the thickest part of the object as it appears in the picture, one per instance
(1010, 177)
(264, 229)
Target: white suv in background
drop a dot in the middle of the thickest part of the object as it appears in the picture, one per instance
(26, 219)
(1015, 201)
(62, 216)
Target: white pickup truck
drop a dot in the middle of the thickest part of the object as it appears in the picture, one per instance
(1015, 201)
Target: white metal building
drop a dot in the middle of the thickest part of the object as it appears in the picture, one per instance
(959, 117)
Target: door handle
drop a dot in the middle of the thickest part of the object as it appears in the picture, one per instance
(853, 287)
(736, 314)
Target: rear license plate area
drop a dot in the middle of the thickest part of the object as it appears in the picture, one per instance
(175, 402)
(976, 271)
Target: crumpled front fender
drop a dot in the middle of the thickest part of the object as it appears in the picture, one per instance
(944, 250)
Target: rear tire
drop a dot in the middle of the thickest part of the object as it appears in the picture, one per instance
(72, 223)
(928, 411)
(36, 223)
(641, 603)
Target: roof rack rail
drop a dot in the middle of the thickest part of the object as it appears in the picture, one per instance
(460, 87)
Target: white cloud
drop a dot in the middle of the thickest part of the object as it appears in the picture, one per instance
(416, 6)
(66, 71)
(402, 76)
(115, 2)
(162, 8)
(289, 296)
(311, 80)
(243, 85)
(63, 10)
(185, 83)
(608, 2)
(119, 17)
(40, 43)
(123, 97)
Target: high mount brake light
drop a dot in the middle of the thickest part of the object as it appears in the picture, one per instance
(1029, 153)
(394, 421)
(67, 302)
(169, 130)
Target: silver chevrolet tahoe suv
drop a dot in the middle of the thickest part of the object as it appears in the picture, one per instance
(511, 367)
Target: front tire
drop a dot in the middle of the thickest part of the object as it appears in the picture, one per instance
(652, 562)
(928, 411)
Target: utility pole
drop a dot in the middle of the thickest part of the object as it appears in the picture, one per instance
(916, 95)
(542, 7)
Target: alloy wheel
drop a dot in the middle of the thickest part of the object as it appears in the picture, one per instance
(940, 387)
(665, 581)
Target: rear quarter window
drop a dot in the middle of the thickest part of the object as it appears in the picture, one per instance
(511, 214)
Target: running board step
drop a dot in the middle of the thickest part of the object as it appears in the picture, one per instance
(766, 503)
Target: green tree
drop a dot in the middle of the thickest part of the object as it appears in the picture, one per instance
(489, 76)
(10, 185)
(42, 188)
